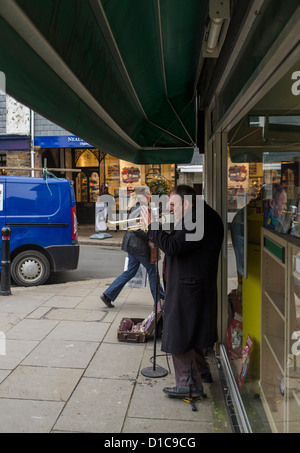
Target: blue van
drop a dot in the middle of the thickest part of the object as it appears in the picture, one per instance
(41, 214)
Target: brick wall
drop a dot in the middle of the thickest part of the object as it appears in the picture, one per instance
(18, 159)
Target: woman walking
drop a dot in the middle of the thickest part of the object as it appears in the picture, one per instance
(136, 244)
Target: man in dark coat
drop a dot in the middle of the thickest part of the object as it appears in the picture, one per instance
(190, 309)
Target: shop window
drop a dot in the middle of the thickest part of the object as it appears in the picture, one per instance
(88, 180)
(87, 187)
(94, 187)
(160, 178)
(120, 174)
(81, 188)
(263, 201)
(102, 173)
(245, 217)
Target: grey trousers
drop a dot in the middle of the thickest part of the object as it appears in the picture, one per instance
(182, 367)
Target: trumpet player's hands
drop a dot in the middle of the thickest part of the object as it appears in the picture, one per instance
(147, 216)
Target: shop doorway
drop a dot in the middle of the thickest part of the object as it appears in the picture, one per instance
(87, 185)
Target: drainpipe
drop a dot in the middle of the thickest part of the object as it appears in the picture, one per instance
(32, 141)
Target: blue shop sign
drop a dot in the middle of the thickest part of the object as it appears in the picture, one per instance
(69, 141)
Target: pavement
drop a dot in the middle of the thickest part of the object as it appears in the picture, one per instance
(63, 370)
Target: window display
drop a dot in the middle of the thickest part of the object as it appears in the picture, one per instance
(102, 173)
(263, 258)
(264, 302)
(94, 187)
(81, 188)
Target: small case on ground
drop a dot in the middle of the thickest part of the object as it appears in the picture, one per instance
(138, 330)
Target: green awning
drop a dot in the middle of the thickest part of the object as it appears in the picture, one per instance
(120, 74)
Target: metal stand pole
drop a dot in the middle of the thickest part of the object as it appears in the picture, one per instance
(5, 263)
(155, 371)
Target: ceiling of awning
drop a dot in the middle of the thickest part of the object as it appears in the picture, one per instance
(120, 74)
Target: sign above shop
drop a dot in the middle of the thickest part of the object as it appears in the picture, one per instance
(14, 142)
(69, 141)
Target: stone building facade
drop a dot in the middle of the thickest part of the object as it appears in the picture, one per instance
(14, 137)
(16, 149)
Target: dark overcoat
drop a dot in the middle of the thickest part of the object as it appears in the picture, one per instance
(190, 310)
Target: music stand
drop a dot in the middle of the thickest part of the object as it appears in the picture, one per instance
(155, 371)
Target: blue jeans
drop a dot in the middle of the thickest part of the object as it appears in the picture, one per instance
(134, 262)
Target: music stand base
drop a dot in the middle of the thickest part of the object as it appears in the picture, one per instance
(154, 373)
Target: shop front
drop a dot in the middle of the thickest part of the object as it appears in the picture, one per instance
(253, 173)
(104, 174)
(95, 173)
(263, 213)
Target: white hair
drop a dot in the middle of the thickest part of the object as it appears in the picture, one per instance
(138, 194)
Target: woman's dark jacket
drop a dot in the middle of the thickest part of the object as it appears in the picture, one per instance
(135, 242)
(190, 309)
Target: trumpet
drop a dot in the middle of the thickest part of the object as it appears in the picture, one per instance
(139, 225)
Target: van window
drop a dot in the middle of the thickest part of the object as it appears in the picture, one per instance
(32, 199)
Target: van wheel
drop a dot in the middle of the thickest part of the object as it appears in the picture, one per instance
(30, 268)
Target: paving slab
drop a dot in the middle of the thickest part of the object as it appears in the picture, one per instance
(40, 383)
(16, 351)
(62, 301)
(154, 426)
(75, 291)
(28, 416)
(31, 329)
(96, 406)
(148, 394)
(39, 313)
(61, 353)
(115, 361)
(69, 314)
(19, 305)
(8, 320)
(4, 374)
(78, 331)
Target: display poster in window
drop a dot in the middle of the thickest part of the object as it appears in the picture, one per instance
(94, 187)
(238, 176)
(130, 174)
